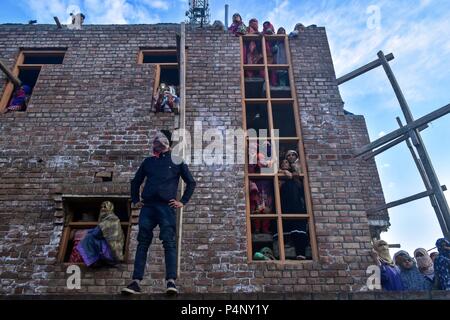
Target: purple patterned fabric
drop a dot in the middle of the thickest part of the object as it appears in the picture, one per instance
(94, 248)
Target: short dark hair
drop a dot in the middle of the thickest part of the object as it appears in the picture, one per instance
(168, 134)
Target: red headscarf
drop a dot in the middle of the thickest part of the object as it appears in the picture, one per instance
(268, 28)
(253, 26)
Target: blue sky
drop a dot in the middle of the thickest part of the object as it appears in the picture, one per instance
(416, 31)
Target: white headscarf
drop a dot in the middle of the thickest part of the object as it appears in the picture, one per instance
(424, 263)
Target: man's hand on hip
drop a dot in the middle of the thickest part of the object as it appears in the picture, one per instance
(175, 204)
(138, 205)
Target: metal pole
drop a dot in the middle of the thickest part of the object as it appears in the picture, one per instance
(420, 147)
(226, 17)
(182, 50)
(58, 23)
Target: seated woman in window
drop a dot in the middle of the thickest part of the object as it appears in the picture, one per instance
(20, 99)
(166, 99)
(104, 243)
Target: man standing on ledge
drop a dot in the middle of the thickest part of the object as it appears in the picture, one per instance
(158, 204)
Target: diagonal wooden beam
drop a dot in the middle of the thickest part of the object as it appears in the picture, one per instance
(390, 145)
(366, 68)
(404, 130)
(404, 200)
(9, 74)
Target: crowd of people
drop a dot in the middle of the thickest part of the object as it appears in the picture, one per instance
(422, 272)
(238, 27)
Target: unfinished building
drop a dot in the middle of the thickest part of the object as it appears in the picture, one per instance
(87, 127)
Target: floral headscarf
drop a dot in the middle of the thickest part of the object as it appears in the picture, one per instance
(442, 263)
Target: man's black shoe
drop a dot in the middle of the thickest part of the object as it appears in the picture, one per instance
(171, 288)
(132, 288)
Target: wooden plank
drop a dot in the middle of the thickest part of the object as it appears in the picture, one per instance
(308, 200)
(91, 223)
(255, 100)
(274, 151)
(57, 22)
(182, 51)
(14, 79)
(391, 144)
(63, 244)
(282, 100)
(404, 200)
(403, 130)
(9, 88)
(372, 65)
(253, 66)
(278, 66)
(246, 179)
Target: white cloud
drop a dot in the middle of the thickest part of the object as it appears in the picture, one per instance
(96, 11)
(158, 4)
(381, 134)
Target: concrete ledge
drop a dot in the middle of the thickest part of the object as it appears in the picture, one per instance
(434, 295)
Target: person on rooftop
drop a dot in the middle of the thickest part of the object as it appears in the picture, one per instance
(238, 27)
(442, 263)
(425, 265)
(412, 279)
(390, 273)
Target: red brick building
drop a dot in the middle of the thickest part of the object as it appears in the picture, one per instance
(87, 128)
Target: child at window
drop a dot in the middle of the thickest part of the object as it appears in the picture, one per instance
(20, 99)
(294, 162)
(166, 99)
(258, 160)
(261, 202)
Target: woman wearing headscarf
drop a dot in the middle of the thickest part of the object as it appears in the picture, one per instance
(252, 54)
(294, 162)
(269, 30)
(412, 279)
(390, 274)
(442, 263)
(105, 242)
(19, 99)
(297, 29)
(238, 27)
(425, 265)
(279, 49)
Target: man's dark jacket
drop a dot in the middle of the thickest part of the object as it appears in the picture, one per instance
(162, 176)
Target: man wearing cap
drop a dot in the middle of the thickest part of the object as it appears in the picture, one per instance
(158, 203)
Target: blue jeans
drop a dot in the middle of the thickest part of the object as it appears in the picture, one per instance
(152, 215)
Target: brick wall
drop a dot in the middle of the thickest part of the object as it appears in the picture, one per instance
(368, 176)
(92, 113)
